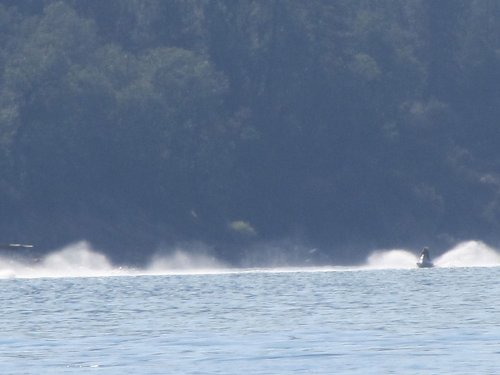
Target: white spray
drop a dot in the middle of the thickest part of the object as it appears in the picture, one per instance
(81, 260)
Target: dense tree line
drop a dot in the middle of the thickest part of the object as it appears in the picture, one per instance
(347, 124)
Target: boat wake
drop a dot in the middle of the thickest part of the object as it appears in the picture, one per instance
(465, 254)
(470, 254)
(81, 260)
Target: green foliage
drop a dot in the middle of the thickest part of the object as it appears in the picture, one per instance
(346, 121)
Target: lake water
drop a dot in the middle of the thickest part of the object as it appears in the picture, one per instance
(370, 320)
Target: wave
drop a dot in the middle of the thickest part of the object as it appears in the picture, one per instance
(81, 260)
(470, 254)
(465, 254)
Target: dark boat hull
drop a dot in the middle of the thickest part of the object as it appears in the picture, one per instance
(425, 264)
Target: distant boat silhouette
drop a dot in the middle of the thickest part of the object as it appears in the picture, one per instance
(15, 246)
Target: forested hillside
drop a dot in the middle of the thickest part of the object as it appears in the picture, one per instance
(344, 125)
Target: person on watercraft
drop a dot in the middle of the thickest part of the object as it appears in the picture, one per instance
(424, 255)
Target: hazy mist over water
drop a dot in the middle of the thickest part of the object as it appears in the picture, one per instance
(81, 260)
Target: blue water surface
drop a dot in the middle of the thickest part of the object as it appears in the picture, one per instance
(432, 321)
